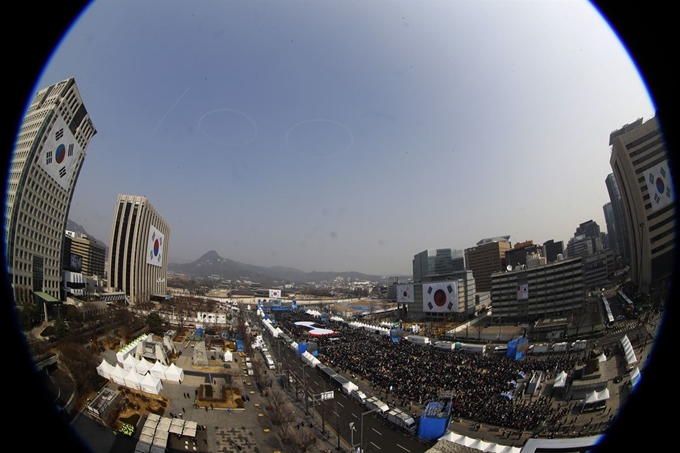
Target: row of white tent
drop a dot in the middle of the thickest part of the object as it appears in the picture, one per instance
(477, 444)
(129, 348)
(628, 351)
(146, 378)
(370, 328)
(156, 432)
(310, 360)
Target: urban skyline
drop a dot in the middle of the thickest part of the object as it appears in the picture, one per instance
(321, 154)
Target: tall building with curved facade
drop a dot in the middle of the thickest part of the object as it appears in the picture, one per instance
(639, 160)
(48, 155)
(138, 251)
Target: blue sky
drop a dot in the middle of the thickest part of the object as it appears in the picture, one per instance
(348, 135)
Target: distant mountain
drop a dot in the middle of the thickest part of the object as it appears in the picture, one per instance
(73, 226)
(213, 264)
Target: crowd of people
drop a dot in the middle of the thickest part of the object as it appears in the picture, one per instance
(484, 387)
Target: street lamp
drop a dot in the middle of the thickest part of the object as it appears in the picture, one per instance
(361, 433)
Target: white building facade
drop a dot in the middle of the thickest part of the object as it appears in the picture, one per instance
(138, 250)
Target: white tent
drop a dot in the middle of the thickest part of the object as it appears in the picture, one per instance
(228, 356)
(143, 367)
(174, 373)
(130, 363)
(151, 384)
(158, 370)
(132, 380)
(118, 375)
(628, 351)
(561, 379)
(602, 358)
(478, 444)
(104, 369)
(635, 376)
(595, 396)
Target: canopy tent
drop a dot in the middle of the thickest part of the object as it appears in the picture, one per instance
(602, 358)
(143, 367)
(190, 429)
(177, 426)
(118, 375)
(561, 379)
(151, 384)
(635, 376)
(174, 373)
(104, 369)
(133, 380)
(130, 363)
(228, 356)
(158, 370)
(596, 397)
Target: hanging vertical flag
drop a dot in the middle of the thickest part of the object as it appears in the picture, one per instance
(522, 291)
(405, 293)
(60, 153)
(660, 185)
(440, 297)
(154, 249)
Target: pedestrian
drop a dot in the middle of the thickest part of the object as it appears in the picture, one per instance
(229, 410)
(183, 410)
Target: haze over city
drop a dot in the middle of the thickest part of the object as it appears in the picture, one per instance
(338, 136)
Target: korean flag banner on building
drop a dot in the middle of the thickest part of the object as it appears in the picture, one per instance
(274, 293)
(60, 153)
(660, 186)
(154, 249)
(440, 297)
(522, 291)
(405, 293)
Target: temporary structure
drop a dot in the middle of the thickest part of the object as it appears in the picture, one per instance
(118, 375)
(132, 380)
(151, 384)
(174, 373)
(143, 367)
(130, 363)
(104, 369)
(158, 370)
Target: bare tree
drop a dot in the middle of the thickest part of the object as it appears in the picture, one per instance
(578, 317)
(230, 375)
(305, 440)
(479, 327)
(279, 412)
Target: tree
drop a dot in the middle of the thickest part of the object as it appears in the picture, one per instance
(155, 323)
(230, 374)
(60, 328)
(579, 316)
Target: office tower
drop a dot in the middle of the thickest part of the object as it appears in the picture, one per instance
(538, 290)
(620, 224)
(431, 263)
(88, 252)
(48, 155)
(138, 250)
(486, 258)
(611, 227)
(517, 256)
(640, 163)
(551, 249)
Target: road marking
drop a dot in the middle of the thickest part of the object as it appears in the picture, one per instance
(376, 446)
(406, 449)
(354, 415)
(341, 405)
(336, 414)
(379, 433)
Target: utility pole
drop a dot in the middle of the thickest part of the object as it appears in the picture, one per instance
(304, 374)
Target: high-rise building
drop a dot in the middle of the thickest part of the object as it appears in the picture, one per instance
(87, 251)
(486, 258)
(538, 290)
(620, 224)
(517, 256)
(48, 155)
(611, 227)
(640, 163)
(551, 249)
(138, 250)
(431, 263)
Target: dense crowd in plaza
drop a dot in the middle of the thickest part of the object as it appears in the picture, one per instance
(411, 374)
